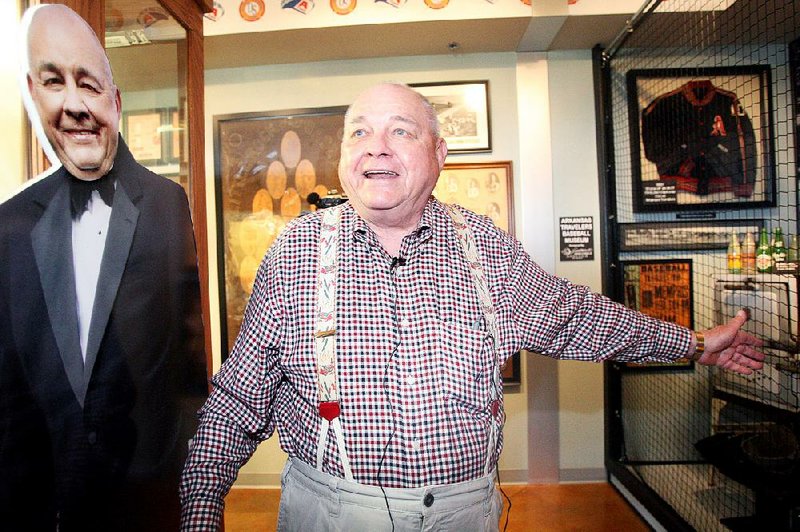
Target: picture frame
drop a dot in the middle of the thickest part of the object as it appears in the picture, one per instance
(701, 138)
(463, 110)
(689, 236)
(794, 68)
(483, 187)
(143, 133)
(661, 289)
(265, 165)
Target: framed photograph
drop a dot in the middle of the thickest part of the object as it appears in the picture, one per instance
(694, 235)
(463, 111)
(266, 165)
(143, 134)
(661, 289)
(794, 67)
(484, 188)
(701, 138)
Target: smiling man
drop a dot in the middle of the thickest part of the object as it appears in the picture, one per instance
(102, 364)
(373, 342)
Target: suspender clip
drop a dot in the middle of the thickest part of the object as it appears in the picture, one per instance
(329, 410)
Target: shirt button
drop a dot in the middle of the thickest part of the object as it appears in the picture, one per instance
(415, 444)
(92, 437)
(405, 323)
(428, 500)
(411, 381)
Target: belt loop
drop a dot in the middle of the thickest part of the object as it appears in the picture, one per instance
(335, 496)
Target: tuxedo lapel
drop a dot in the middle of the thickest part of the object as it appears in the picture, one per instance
(51, 239)
(121, 227)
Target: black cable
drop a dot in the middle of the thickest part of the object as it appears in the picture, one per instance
(506, 497)
(391, 435)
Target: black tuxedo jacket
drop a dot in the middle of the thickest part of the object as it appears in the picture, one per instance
(98, 445)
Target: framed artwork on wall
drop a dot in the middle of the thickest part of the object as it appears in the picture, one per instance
(143, 134)
(794, 67)
(701, 138)
(697, 235)
(462, 108)
(661, 289)
(266, 166)
(484, 188)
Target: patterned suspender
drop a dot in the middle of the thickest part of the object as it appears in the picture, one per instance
(325, 336)
(327, 383)
(467, 241)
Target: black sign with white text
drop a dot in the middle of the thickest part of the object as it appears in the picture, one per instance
(577, 237)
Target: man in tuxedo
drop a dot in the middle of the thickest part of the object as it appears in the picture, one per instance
(102, 364)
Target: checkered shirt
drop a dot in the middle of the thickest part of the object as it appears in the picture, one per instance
(414, 359)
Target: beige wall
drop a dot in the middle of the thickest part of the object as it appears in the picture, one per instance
(11, 138)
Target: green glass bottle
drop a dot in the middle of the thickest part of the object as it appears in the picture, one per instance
(778, 247)
(763, 253)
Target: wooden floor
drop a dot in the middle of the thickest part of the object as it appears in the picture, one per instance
(540, 507)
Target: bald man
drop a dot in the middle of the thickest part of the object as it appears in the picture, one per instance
(101, 354)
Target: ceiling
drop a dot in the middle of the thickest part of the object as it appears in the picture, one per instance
(743, 22)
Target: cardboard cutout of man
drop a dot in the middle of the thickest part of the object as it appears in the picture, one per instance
(102, 363)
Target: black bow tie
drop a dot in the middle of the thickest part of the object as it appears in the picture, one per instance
(80, 192)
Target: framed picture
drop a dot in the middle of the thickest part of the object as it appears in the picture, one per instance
(684, 235)
(661, 289)
(794, 67)
(484, 188)
(463, 111)
(266, 165)
(701, 138)
(144, 136)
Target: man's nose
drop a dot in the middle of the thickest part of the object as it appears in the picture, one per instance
(378, 146)
(74, 104)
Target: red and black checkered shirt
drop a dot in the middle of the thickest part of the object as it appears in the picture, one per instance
(413, 355)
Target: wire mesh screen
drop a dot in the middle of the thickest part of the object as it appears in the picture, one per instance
(705, 116)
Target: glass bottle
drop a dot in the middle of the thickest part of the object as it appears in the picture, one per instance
(778, 247)
(734, 254)
(793, 253)
(763, 253)
(749, 253)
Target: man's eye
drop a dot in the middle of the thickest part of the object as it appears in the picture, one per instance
(49, 82)
(400, 132)
(358, 133)
(90, 87)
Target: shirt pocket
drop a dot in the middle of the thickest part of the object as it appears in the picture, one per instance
(466, 366)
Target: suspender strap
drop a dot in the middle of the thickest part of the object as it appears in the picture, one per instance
(468, 245)
(325, 338)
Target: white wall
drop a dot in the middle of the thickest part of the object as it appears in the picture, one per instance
(576, 193)
(11, 134)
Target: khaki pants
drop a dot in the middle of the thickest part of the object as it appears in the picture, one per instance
(318, 502)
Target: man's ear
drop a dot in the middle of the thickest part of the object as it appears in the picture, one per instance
(118, 98)
(30, 83)
(441, 152)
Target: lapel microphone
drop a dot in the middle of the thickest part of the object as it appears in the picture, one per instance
(396, 262)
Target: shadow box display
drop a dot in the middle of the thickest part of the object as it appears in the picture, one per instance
(701, 138)
(266, 166)
(661, 289)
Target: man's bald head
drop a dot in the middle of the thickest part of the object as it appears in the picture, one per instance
(71, 83)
